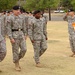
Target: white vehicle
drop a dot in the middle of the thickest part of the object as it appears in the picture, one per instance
(59, 11)
(56, 11)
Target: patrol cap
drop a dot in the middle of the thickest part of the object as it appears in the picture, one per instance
(36, 11)
(71, 10)
(16, 7)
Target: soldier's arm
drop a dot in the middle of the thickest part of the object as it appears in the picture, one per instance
(9, 28)
(26, 21)
(45, 30)
(30, 29)
(46, 18)
(3, 26)
(1, 37)
(24, 28)
(65, 17)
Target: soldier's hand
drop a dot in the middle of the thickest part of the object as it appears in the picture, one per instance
(74, 28)
(32, 41)
(12, 41)
(46, 38)
(25, 37)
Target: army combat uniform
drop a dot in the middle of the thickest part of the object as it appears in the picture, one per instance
(71, 20)
(71, 31)
(25, 17)
(2, 43)
(16, 29)
(36, 32)
(3, 27)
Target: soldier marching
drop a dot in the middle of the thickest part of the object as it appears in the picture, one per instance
(38, 35)
(17, 25)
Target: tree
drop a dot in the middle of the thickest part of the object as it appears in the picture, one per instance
(68, 3)
(52, 4)
(41, 5)
(73, 3)
(7, 4)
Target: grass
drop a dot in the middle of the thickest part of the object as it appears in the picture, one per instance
(56, 60)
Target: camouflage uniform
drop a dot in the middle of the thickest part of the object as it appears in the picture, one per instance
(46, 18)
(25, 17)
(3, 27)
(36, 32)
(2, 43)
(16, 29)
(71, 31)
(29, 20)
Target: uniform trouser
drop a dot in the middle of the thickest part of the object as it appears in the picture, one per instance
(2, 50)
(39, 48)
(72, 42)
(18, 54)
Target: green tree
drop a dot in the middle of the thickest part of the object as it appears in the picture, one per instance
(7, 4)
(68, 3)
(41, 5)
(73, 3)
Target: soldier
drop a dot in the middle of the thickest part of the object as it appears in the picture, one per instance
(70, 17)
(2, 44)
(36, 33)
(16, 30)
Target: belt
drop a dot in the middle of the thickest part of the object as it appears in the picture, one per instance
(16, 30)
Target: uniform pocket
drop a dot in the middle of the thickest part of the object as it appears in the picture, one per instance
(37, 37)
(15, 34)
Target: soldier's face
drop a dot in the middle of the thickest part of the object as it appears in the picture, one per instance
(71, 13)
(38, 15)
(11, 12)
(16, 12)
